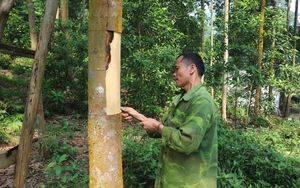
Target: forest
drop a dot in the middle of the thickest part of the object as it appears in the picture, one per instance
(250, 50)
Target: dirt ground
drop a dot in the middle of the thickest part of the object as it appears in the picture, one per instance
(36, 167)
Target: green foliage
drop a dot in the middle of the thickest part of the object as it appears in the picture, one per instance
(65, 87)
(147, 80)
(258, 157)
(64, 169)
(11, 107)
(21, 70)
(154, 34)
(5, 61)
(251, 157)
(54, 100)
(283, 80)
(140, 155)
(66, 172)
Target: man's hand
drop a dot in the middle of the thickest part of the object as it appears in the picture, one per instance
(131, 114)
(151, 125)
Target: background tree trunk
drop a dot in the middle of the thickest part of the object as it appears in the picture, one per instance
(259, 61)
(64, 6)
(32, 27)
(288, 13)
(272, 73)
(226, 56)
(33, 95)
(288, 101)
(203, 28)
(104, 120)
(5, 7)
(212, 38)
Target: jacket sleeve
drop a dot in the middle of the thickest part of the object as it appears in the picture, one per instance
(186, 137)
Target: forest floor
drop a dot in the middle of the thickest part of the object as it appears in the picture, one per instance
(36, 175)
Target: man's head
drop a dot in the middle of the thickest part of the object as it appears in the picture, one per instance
(193, 58)
(188, 70)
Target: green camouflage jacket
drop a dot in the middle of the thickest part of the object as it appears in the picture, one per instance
(189, 153)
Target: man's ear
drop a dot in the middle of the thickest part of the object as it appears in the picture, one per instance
(193, 69)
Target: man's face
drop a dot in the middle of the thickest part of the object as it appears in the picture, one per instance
(181, 73)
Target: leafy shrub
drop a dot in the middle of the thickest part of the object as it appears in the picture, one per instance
(4, 137)
(66, 73)
(10, 127)
(64, 170)
(257, 158)
(21, 70)
(140, 155)
(5, 61)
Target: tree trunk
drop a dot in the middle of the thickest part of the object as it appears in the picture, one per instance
(40, 121)
(212, 37)
(288, 102)
(32, 27)
(272, 72)
(202, 29)
(288, 13)
(33, 95)
(64, 5)
(5, 7)
(64, 10)
(259, 61)
(40, 113)
(226, 56)
(104, 119)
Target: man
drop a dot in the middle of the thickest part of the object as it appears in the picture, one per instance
(188, 130)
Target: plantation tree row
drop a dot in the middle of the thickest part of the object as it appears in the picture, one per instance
(262, 42)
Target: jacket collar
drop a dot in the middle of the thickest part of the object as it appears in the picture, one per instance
(188, 95)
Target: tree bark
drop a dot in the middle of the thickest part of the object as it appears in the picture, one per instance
(226, 56)
(32, 26)
(259, 61)
(64, 5)
(212, 38)
(203, 28)
(272, 72)
(288, 13)
(40, 113)
(5, 7)
(33, 95)
(104, 118)
(288, 102)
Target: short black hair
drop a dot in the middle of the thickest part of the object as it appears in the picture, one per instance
(193, 58)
